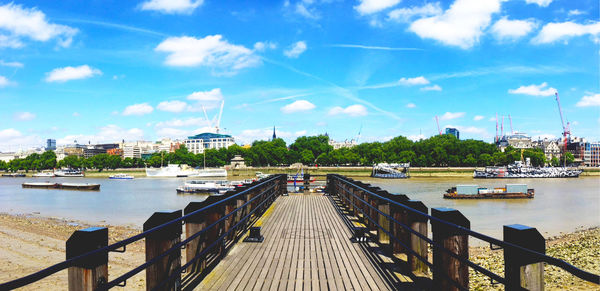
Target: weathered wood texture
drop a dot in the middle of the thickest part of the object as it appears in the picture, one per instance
(306, 247)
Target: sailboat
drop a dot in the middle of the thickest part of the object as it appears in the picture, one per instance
(211, 172)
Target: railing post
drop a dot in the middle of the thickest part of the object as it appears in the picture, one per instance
(418, 223)
(159, 242)
(383, 221)
(87, 274)
(400, 232)
(449, 271)
(193, 225)
(520, 269)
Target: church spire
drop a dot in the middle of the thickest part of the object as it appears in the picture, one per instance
(274, 135)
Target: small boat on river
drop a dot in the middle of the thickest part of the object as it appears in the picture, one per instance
(14, 175)
(65, 186)
(43, 175)
(510, 191)
(205, 187)
(121, 176)
(68, 173)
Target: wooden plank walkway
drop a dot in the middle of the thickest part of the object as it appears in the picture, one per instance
(306, 247)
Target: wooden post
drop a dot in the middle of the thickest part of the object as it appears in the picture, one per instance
(87, 274)
(520, 269)
(159, 242)
(399, 214)
(447, 270)
(213, 214)
(383, 221)
(193, 225)
(418, 223)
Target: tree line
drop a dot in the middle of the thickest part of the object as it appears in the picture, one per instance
(436, 151)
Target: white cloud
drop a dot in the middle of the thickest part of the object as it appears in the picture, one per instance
(17, 23)
(374, 6)
(416, 137)
(542, 3)
(452, 115)
(408, 14)
(138, 109)
(208, 99)
(552, 32)
(247, 136)
(478, 117)
(109, 133)
(413, 81)
(71, 73)
(534, 90)
(587, 101)
(192, 121)
(297, 106)
(13, 140)
(5, 82)
(432, 88)
(544, 136)
(172, 6)
(305, 10)
(295, 50)
(575, 12)
(512, 29)
(263, 46)
(352, 110)
(11, 64)
(211, 51)
(172, 106)
(411, 105)
(24, 116)
(461, 25)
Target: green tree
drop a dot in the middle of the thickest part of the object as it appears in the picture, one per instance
(569, 158)
(470, 161)
(307, 157)
(554, 162)
(485, 160)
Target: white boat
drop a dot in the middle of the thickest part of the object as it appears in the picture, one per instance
(120, 176)
(172, 170)
(205, 187)
(68, 173)
(43, 174)
(261, 175)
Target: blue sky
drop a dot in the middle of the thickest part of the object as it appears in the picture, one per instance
(104, 71)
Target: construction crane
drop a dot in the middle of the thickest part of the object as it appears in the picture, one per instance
(511, 128)
(496, 127)
(566, 130)
(438, 125)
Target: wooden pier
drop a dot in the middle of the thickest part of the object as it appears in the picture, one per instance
(307, 247)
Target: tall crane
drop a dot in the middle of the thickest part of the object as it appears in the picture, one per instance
(496, 127)
(438, 125)
(566, 130)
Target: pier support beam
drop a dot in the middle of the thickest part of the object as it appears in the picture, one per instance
(194, 224)
(520, 269)
(88, 274)
(447, 270)
(159, 242)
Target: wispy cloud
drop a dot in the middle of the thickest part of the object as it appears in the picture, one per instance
(383, 48)
(298, 106)
(138, 109)
(452, 115)
(24, 116)
(352, 110)
(534, 90)
(11, 64)
(432, 88)
(295, 50)
(71, 73)
(588, 101)
(115, 25)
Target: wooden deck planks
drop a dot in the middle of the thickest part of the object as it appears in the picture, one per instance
(306, 247)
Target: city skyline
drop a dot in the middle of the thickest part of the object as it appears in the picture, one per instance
(107, 71)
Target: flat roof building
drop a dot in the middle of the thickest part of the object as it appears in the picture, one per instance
(200, 142)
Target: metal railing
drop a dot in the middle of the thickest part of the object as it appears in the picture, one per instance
(256, 198)
(364, 199)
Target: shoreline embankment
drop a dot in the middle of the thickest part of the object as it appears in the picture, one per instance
(29, 243)
(358, 172)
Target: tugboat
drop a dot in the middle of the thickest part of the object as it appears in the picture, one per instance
(510, 191)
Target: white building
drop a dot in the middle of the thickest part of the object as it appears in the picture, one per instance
(132, 151)
(550, 148)
(518, 140)
(7, 157)
(343, 144)
(198, 143)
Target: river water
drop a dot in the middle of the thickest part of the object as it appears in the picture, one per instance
(560, 205)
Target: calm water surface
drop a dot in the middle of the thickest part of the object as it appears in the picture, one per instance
(560, 205)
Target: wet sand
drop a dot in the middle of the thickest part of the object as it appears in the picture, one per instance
(29, 243)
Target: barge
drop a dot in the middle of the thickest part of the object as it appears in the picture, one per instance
(391, 171)
(65, 186)
(520, 170)
(510, 191)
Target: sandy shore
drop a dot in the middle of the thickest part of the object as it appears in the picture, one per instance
(29, 243)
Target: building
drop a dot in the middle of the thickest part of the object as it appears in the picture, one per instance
(550, 147)
(115, 152)
(342, 144)
(453, 131)
(518, 140)
(50, 144)
(274, 135)
(132, 151)
(200, 142)
(7, 157)
(237, 162)
(592, 154)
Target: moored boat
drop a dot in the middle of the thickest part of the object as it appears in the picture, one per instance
(510, 191)
(69, 173)
(43, 185)
(14, 175)
(205, 187)
(43, 175)
(519, 169)
(299, 179)
(66, 186)
(391, 171)
(121, 176)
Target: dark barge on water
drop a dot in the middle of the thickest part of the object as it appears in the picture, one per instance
(511, 191)
(391, 171)
(64, 186)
